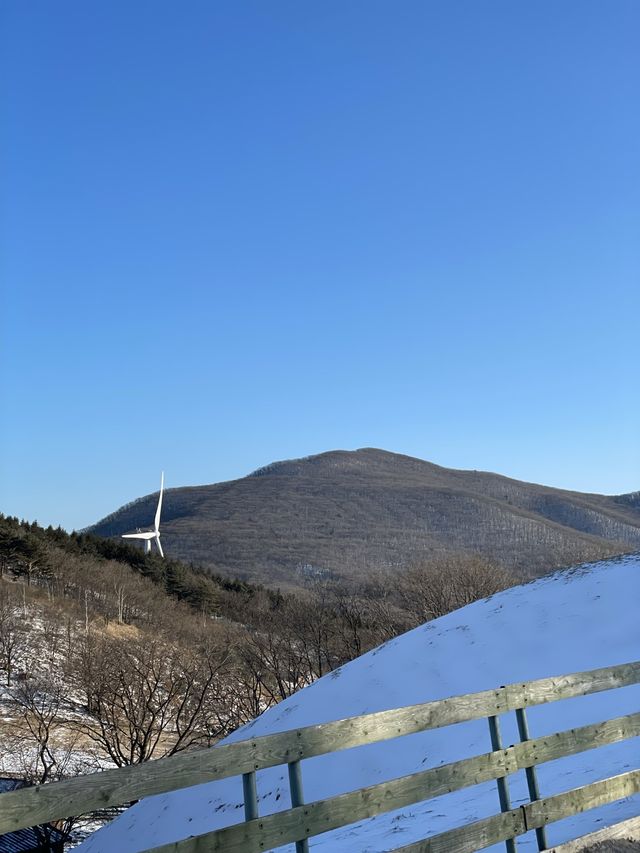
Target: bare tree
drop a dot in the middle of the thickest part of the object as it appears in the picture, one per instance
(150, 697)
(432, 589)
(40, 700)
(387, 618)
(246, 697)
(12, 636)
(44, 749)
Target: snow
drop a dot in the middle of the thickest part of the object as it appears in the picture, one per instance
(577, 620)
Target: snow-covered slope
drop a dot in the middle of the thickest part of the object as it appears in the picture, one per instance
(580, 619)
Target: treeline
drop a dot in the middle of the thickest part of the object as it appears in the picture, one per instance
(46, 553)
(120, 657)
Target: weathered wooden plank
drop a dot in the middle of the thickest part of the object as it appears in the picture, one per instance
(582, 799)
(484, 833)
(114, 787)
(572, 741)
(322, 815)
(474, 836)
(544, 690)
(629, 828)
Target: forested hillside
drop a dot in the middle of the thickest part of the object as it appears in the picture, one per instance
(345, 514)
(112, 657)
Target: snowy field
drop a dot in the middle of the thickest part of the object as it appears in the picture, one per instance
(577, 620)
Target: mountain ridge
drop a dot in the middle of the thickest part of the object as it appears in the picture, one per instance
(347, 513)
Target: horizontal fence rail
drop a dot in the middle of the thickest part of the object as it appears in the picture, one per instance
(322, 815)
(491, 830)
(40, 804)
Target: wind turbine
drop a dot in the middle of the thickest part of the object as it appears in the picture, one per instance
(151, 534)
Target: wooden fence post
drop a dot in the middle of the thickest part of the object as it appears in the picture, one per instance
(501, 782)
(297, 798)
(532, 778)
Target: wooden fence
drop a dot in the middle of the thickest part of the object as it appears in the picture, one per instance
(256, 834)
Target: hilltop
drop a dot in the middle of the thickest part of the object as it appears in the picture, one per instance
(348, 513)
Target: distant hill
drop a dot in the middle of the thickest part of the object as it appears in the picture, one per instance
(346, 513)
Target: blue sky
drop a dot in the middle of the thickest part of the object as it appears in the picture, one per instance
(236, 232)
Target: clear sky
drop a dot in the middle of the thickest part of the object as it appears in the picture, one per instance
(234, 232)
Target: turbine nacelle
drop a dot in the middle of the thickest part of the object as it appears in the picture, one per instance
(149, 535)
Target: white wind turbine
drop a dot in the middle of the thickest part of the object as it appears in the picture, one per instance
(151, 534)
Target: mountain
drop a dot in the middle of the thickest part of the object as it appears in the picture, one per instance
(572, 621)
(347, 513)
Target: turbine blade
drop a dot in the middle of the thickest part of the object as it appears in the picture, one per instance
(159, 546)
(149, 535)
(159, 509)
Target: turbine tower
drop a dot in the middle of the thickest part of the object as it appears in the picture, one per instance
(151, 534)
